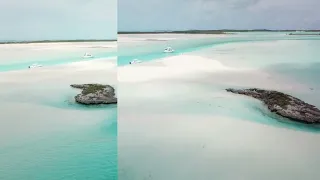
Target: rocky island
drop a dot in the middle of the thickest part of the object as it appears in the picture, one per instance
(283, 104)
(94, 94)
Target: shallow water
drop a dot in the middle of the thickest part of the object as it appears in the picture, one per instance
(86, 153)
(150, 50)
(20, 56)
(190, 128)
(62, 142)
(176, 135)
(44, 134)
(296, 60)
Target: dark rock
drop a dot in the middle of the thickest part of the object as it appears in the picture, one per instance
(94, 94)
(283, 104)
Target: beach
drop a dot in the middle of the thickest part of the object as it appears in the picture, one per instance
(176, 121)
(44, 134)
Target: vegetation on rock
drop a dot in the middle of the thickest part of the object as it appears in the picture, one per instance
(283, 104)
(95, 94)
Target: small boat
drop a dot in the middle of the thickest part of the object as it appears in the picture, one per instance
(168, 50)
(87, 55)
(135, 61)
(34, 66)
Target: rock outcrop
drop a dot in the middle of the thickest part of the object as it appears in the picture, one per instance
(94, 94)
(283, 104)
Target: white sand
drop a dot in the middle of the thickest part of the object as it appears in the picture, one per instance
(18, 53)
(99, 71)
(129, 38)
(190, 67)
(177, 146)
(174, 121)
(169, 67)
(28, 100)
(81, 69)
(61, 45)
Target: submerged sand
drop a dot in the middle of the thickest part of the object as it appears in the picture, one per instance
(137, 38)
(30, 52)
(175, 121)
(35, 101)
(44, 134)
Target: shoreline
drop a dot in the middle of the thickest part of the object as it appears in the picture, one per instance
(217, 31)
(174, 32)
(58, 41)
(303, 34)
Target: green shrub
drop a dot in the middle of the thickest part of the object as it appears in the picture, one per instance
(92, 88)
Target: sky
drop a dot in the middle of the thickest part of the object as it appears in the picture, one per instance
(58, 19)
(148, 15)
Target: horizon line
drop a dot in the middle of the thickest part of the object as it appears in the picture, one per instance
(52, 41)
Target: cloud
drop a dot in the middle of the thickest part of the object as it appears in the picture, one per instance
(59, 19)
(218, 14)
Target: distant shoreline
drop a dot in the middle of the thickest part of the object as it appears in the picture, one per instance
(174, 32)
(303, 34)
(222, 31)
(58, 41)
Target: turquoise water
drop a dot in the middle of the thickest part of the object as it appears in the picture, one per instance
(156, 150)
(61, 140)
(188, 127)
(148, 52)
(294, 57)
(44, 134)
(82, 154)
(86, 154)
(295, 60)
(24, 63)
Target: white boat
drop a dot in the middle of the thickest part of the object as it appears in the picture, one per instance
(87, 55)
(135, 61)
(34, 66)
(168, 50)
